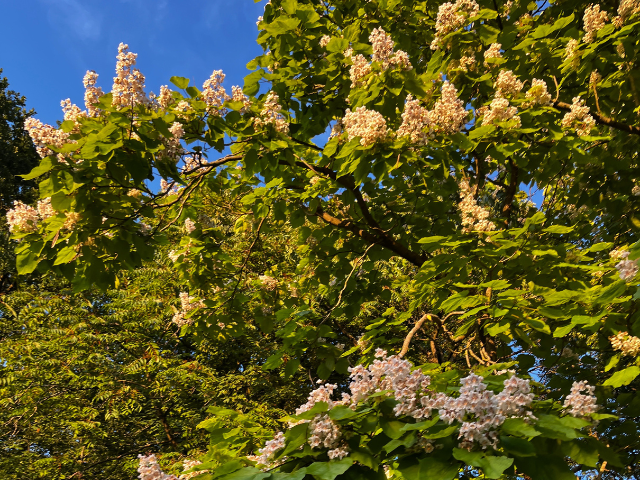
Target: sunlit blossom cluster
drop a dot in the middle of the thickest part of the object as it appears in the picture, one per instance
(324, 41)
(187, 304)
(474, 217)
(43, 135)
(367, 124)
(479, 410)
(269, 283)
(71, 111)
(214, 94)
(451, 17)
(128, 84)
(270, 114)
(507, 83)
(448, 115)
(359, 69)
(594, 19)
(538, 94)
(188, 465)
(494, 51)
(626, 9)
(627, 269)
(237, 95)
(625, 343)
(92, 93)
(22, 218)
(467, 63)
(581, 404)
(415, 119)
(189, 225)
(149, 469)
(165, 98)
(579, 118)
(500, 111)
(383, 52)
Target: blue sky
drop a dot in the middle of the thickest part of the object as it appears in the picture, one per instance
(48, 45)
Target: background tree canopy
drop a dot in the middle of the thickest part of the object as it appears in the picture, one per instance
(363, 205)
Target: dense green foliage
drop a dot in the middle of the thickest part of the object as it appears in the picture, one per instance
(419, 240)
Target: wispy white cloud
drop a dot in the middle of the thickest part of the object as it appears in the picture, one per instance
(75, 18)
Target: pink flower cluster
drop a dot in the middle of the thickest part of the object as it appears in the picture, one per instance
(579, 404)
(150, 470)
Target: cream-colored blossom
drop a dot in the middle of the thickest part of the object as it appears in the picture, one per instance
(44, 135)
(494, 51)
(594, 19)
(369, 125)
(324, 41)
(507, 83)
(270, 114)
(448, 115)
(500, 111)
(579, 118)
(415, 120)
(474, 217)
(538, 94)
(128, 84)
(451, 17)
(625, 343)
(92, 93)
(214, 94)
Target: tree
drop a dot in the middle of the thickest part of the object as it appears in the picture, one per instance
(399, 140)
(17, 156)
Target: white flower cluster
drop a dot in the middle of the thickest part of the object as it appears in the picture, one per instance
(43, 135)
(538, 94)
(360, 68)
(625, 343)
(268, 282)
(71, 111)
(22, 218)
(627, 269)
(172, 146)
(269, 450)
(324, 41)
(382, 45)
(92, 93)
(189, 226)
(579, 114)
(479, 411)
(187, 305)
(500, 111)
(579, 404)
(188, 465)
(150, 470)
(237, 95)
(448, 115)
(415, 119)
(128, 84)
(474, 217)
(626, 9)
(369, 125)
(594, 19)
(507, 83)
(451, 17)
(492, 52)
(270, 114)
(165, 99)
(467, 62)
(214, 94)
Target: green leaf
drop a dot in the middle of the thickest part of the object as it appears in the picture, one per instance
(431, 468)
(180, 82)
(558, 229)
(518, 427)
(66, 255)
(26, 262)
(282, 25)
(329, 470)
(44, 166)
(518, 447)
(623, 377)
(492, 466)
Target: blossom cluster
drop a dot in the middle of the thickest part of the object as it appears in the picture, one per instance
(507, 83)
(479, 410)
(579, 116)
(24, 218)
(494, 51)
(594, 19)
(367, 124)
(415, 119)
(43, 135)
(92, 93)
(581, 404)
(270, 114)
(626, 9)
(500, 111)
(149, 469)
(187, 304)
(128, 84)
(451, 17)
(214, 94)
(474, 217)
(538, 94)
(625, 343)
(188, 465)
(627, 269)
(268, 282)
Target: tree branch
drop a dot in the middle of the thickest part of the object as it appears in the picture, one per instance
(610, 122)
